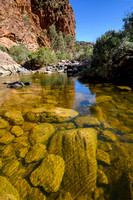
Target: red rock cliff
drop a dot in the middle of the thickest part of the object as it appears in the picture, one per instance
(25, 20)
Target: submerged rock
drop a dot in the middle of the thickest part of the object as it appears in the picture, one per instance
(103, 157)
(103, 98)
(10, 167)
(14, 117)
(51, 114)
(97, 112)
(126, 88)
(102, 178)
(65, 196)
(49, 174)
(3, 123)
(36, 153)
(7, 138)
(87, 121)
(7, 191)
(16, 84)
(108, 136)
(41, 133)
(17, 131)
(78, 149)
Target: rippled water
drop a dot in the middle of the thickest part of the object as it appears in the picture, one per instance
(64, 140)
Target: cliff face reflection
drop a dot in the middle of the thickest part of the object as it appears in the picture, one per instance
(63, 140)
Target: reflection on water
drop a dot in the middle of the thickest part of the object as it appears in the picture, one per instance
(63, 140)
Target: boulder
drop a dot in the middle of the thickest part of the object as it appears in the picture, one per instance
(7, 138)
(78, 149)
(103, 157)
(51, 114)
(108, 136)
(41, 133)
(87, 121)
(10, 167)
(14, 117)
(36, 153)
(3, 123)
(17, 131)
(49, 174)
(7, 191)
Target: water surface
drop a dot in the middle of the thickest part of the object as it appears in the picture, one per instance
(65, 140)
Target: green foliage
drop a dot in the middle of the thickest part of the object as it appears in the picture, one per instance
(4, 49)
(41, 57)
(128, 26)
(19, 53)
(87, 52)
(69, 41)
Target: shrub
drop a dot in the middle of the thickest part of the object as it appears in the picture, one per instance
(19, 53)
(2, 48)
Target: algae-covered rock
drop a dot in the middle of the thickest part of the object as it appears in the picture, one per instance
(2, 132)
(105, 146)
(10, 167)
(108, 136)
(21, 152)
(3, 123)
(78, 149)
(17, 131)
(1, 164)
(103, 157)
(87, 121)
(36, 153)
(8, 152)
(49, 174)
(102, 178)
(97, 112)
(41, 133)
(103, 98)
(126, 88)
(52, 114)
(7, 138)
(65, 196)
(7, 190)
(14, 117)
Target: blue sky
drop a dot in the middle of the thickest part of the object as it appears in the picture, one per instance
(95, 17)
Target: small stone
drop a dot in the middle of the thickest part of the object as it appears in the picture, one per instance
(126, 88)
(7, 191)
(10, 167)
(41, 133)
(17, 131)
(3, 123)
(97, 112)
(2, 132)
(49, 174)
(21, 152)
(14, 117)
(36, 153)
(102, 178)
(108, 136)
(103, 157)
(8, 152)
(87, 121)
(7, 138)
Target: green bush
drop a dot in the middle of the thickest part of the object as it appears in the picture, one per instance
(4, 49)
(19, 53)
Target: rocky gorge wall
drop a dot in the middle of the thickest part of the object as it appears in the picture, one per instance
(25, 21)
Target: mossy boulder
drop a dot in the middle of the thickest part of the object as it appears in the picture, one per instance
(49, 174)
(102, 178)
(78, 149)
(7, 191)
(14, 117)
(10, 167)
(108, 136)
(17, 131)
(52, 114)
(103, 157)
(3, 123)
(87, 121)
(36, 153)
(41, 133)
(7, 138)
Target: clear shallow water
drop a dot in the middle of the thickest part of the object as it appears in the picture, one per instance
(88, 130)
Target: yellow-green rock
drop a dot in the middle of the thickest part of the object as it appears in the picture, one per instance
(7, 191)
(65, 196)
(14, 117)
(41, 133)
(103, 98)
(108, 136)
(8, 152)
(52, 114)
(103, 157)
(49, 174)
(36, 153)
(21, 152)
(97, 112)
(7, 138)
(102, 178)
(10, 167)
(87, 121)
(78, 149)
(2, 132)
(105, 146)
(124, 88)
(1, 164)
(17, 131)
(3, 123)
